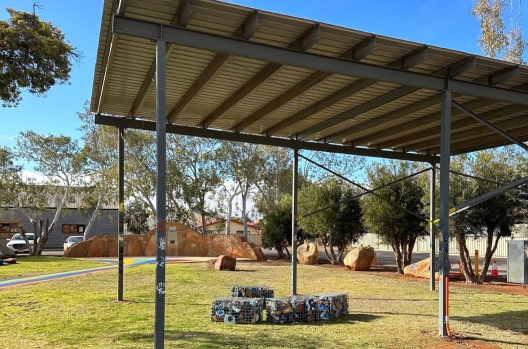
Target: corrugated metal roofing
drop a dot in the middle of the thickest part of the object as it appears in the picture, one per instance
(232, 93)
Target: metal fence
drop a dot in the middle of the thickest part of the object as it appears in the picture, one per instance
(424, 245)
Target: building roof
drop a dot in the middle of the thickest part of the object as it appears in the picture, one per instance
(243, 74)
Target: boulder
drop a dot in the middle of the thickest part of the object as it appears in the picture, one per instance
(307, 253)
(225, 263)
(360, 258)
(422, 268)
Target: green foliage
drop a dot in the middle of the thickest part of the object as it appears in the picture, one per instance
(394, 212)
(493, 218)
(495, 38)
(10, 177)
(34, 55)
(277, 225)
(192, 177)
(331, 211)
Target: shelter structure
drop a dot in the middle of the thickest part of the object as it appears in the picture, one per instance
(211, 69)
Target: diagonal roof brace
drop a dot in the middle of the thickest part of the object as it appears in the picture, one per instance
(481, 198)
(245, 31)
(359, 51)
(455, 69)
(181, 18)
(408, 61)
(307, 39)
(490, 125)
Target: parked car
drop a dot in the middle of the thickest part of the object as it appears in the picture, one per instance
(17, 243)
(72, 240)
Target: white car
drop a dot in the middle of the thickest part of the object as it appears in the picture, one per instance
(17, 243)
(72, 240)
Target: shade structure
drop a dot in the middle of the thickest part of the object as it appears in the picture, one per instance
(236, 73)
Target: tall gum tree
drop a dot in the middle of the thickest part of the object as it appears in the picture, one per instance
(58, 158)
(100, 155)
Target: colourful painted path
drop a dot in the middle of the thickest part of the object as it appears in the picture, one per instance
(127, 262)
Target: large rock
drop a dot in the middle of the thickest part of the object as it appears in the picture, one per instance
(421, 268)
(225, 263)
(183, 242)
(307, 253)
(360, 258)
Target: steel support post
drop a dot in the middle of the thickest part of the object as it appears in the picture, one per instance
(121, 212)
(443, 264)
(432, 239)
(161, 158)
(294, 221)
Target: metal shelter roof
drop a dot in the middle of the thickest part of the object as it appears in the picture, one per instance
(299, 83)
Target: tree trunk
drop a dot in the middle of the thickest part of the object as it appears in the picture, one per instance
(94, 215)
(465, 259)
(398, 256)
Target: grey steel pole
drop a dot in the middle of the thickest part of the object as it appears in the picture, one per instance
(432, 238)
(121, 212)
(443, 264)
(294, 220)
(161, 158)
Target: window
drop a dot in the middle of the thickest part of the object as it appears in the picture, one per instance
(240, 232)
(8, 228)
(72, 228)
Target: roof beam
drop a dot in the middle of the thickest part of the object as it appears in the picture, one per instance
(284, 56)
(181, 19)
(245, 31)
(460, 129)
(305, 41)
(451, 71)
(359, 51)
(503, 75)
(422, 121)
(273, 141)
(408, 61)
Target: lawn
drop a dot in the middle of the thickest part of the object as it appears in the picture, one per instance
(385, 312)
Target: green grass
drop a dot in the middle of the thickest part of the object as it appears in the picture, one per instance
(385, 312)
(33, 266)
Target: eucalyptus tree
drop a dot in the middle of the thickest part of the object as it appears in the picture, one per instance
(501, 29)
(395, 212)
(59, 160)
(34, 56)
(243, 164)
(276, 180)
(192, 178)
(331, 210)
(100, 152)
(140, 170)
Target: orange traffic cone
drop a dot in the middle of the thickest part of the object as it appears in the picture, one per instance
(494, 271)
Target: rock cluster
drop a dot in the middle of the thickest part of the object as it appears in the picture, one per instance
(182, 241)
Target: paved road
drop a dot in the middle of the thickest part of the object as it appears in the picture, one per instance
(387, 258)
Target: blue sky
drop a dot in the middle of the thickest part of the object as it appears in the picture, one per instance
(445, 23)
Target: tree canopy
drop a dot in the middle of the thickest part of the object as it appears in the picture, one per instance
(34, 55)
(394, 212)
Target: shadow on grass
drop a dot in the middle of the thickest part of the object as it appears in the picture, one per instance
(514, 320)
(236, 336)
